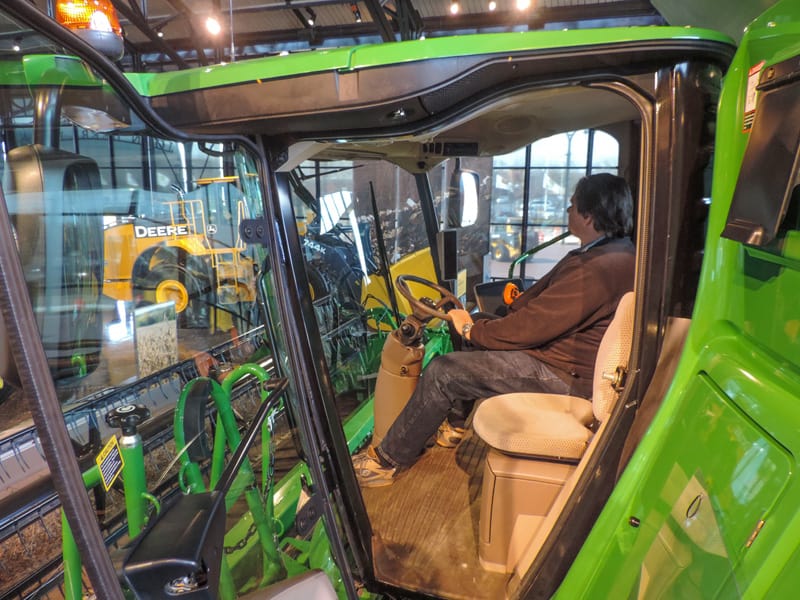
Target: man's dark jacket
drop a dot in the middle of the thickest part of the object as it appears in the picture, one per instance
(562, 318)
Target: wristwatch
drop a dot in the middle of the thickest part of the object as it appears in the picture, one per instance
(465, 329)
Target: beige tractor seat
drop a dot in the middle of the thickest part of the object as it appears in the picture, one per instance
(537, 424)
(535, 441)
(551, 424)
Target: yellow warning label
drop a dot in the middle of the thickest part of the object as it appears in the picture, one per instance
(110, 462)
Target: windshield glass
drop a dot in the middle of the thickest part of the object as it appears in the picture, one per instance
(118, 231)
(138, 274)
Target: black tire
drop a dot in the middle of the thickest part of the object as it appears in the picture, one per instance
(317, 286)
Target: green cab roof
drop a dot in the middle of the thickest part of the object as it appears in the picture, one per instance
(362, 57)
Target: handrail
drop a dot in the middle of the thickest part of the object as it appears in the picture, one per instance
(528, 253)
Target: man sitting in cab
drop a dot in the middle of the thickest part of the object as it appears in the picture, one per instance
(546, 343)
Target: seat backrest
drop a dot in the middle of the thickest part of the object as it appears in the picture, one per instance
(613, 353)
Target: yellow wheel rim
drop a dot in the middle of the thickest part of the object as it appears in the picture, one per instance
(173, 290)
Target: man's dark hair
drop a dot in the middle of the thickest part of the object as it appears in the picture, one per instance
(607, 198)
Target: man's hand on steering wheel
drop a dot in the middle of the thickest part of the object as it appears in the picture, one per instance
(462, 321)
(424, 308)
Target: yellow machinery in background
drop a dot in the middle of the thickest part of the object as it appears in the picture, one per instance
(374, 293)
(184, 250)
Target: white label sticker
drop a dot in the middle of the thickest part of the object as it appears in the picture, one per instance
(751, 97)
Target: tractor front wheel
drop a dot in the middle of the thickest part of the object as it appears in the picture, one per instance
(174, 290)
(168, 283)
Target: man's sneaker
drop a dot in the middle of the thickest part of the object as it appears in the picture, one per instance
(369, 470)
(449, 436)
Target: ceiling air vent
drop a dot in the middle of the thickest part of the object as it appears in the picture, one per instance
(450, 149)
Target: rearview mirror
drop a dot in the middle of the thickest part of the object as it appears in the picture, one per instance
(462, 202)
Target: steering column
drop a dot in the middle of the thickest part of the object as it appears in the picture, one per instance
(403, 351)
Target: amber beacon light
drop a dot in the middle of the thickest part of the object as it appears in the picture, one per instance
(95, 21)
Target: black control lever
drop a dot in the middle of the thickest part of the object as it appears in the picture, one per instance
(127, 417)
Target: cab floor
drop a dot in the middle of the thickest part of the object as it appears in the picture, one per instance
(425, 526)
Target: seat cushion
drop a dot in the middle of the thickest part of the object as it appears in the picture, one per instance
(527, 424)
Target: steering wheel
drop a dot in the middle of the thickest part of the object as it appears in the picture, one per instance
(424, 306)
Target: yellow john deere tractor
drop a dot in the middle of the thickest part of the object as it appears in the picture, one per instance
(184, 250)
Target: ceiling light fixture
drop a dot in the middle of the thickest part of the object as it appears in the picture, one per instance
(312, 16)
(356, 12)
(492, 5)
(454, 7)
(212, 26)
(523, 4)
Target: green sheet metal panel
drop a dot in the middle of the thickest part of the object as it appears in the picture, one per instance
(710, 503)
(731, 418)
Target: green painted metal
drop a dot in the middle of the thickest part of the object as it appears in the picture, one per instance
(136, 498)
(134, 482)
(727, 430)
(359, 425)
(287, 494)
(437, 342)
(261, 512)
(79, 361)
(363, 57)
(271, 520)
(73, 586)
(57, 69)
(218, 454)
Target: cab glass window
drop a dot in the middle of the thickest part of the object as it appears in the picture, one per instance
(531, 188)
(140, 281)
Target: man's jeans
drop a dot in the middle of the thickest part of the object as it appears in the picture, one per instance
(449, 387)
